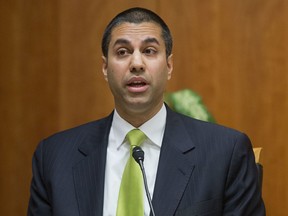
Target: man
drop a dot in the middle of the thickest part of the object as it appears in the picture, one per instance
(193, 167)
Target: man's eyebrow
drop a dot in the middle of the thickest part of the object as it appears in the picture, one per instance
(151, 40)
(121, 41)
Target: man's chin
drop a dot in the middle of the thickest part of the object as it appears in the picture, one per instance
(138, 103)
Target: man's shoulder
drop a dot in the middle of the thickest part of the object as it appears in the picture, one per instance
(209, 134)
(88, 127)
(78, 134)
(199, 125)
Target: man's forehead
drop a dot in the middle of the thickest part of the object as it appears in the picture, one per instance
(141, 30)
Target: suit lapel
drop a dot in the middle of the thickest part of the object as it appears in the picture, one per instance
(175, 166)
(89, 173)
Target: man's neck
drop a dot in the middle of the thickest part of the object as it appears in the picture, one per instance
(137, 118)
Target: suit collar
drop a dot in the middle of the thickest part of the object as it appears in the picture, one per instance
(176, 132)
(97, 133)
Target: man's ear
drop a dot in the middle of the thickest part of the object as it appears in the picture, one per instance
(170, 66)
(104, 67)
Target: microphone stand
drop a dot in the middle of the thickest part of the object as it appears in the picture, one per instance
(138, 155)
(146, 187)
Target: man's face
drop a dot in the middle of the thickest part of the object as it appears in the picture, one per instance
(136, 67)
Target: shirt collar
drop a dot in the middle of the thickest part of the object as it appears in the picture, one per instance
(153, 128)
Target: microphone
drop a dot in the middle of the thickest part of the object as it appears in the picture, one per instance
(138, 155)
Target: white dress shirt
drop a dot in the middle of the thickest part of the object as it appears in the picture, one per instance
(118, 153)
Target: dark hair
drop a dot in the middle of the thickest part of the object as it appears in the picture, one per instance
(137, 15)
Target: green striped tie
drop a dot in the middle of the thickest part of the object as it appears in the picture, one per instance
(130, 200)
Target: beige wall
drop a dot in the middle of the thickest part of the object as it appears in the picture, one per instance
(233, 53)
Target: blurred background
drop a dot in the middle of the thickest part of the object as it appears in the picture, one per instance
(234, 53)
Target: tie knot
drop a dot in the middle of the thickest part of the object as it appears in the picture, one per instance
(135, 137)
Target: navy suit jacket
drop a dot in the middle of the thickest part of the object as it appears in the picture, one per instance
(204, 169)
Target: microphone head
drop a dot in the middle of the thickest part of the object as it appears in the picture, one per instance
(138, 154)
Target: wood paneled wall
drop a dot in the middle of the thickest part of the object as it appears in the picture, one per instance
(233, 53)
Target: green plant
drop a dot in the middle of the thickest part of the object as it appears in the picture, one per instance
(188, 103)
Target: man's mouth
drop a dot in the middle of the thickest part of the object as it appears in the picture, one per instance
(137, 84)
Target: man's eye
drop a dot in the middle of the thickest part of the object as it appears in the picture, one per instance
(150, 51)
(122, 52)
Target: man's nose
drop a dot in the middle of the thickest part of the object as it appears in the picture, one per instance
(137, 63)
